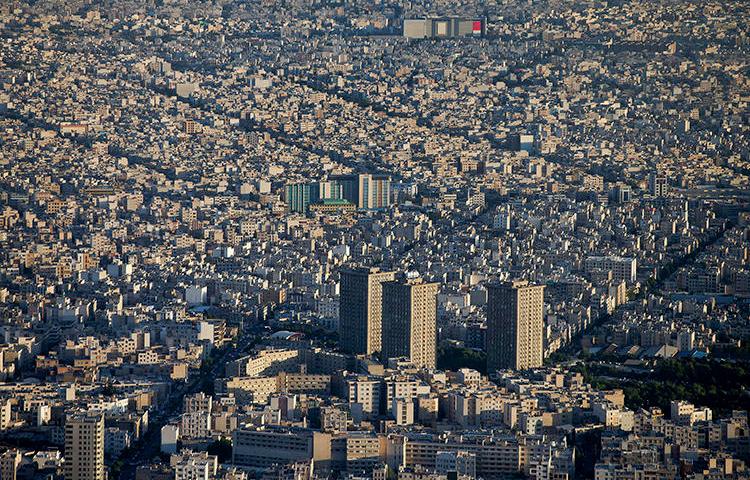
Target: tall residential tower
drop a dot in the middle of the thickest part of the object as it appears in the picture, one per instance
(410, 321)
(515, 326)
(360, 309)
(84, 447)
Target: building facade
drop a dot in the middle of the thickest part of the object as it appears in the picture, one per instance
(299, 196)
(444, 27)
(409, 319)
(515, 326)
(360, 309)
(84, 447)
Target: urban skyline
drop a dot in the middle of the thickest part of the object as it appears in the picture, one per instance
(387, 240)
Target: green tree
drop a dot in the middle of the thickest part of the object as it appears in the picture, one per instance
(222, 448)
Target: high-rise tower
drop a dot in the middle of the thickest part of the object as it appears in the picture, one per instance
(360, 309)
(410, 321)
(84, 446)
(515, 326)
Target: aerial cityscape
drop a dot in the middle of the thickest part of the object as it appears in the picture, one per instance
(374, 239)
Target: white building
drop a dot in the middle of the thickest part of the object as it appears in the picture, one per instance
(402, 410)
(115, 441)
(623, 269)
(196, 295)
(195, 424)
(169, 436)
(364, 393)
(461, 462)
(189, 465)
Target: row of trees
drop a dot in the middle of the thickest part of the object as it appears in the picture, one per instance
(721, 386)
(451, 357)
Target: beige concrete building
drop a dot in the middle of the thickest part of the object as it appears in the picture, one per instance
(360, 309)
(515, 326)
(189, 465)
(84, 447)
(6, 414)
(10, 461)
(264, 447)
(410, 321)
(363, 394)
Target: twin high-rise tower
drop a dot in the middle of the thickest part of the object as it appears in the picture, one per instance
(396, 318)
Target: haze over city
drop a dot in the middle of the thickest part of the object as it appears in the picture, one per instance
(374, 239)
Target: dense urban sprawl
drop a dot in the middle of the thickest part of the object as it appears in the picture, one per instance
(388, 240)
